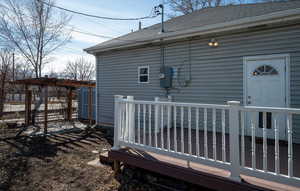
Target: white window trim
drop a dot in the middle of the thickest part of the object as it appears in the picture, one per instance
(139, 68)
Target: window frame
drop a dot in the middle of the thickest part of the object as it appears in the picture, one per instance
(139, 74)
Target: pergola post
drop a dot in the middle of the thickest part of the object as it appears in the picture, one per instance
(28, 96)
(90, 105)
(45, 110)
(69, 111)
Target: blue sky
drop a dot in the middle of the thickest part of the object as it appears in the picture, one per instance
(109, 8)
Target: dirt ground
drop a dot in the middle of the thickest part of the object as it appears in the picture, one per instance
(59, 163)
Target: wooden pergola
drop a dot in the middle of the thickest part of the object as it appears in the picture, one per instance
(46, 82)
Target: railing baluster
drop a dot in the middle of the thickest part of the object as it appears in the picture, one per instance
(253, 149)
(290, 145)
(156, 122)
(162, 126)
(243, 138)
(139, 123)
(205, 134)
(277, 162)
(150, 126)
(128, 122)
(133, 122)
(214, 134)
(144, 124)
(175, 130)
(168, 127)
(124, 120)
(265, 151)
(197, 133)
(190, 129)
(223, 137)
(182, 131)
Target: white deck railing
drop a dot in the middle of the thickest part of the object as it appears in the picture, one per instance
(174, 129)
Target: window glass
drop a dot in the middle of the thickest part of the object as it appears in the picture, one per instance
(143, 74)
(143, 78)
(264, 70)
(144, 71)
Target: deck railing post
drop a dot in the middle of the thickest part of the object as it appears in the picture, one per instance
(131, 119)
(234, 140)
(117, 124)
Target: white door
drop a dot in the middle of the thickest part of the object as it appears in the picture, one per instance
(266, 87)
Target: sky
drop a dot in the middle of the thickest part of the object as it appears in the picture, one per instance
(108, 8)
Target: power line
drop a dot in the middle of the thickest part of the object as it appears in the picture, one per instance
(91, 34)
(100, 17)
(103, 36)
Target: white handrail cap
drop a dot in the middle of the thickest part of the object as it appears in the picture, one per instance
(234, 103)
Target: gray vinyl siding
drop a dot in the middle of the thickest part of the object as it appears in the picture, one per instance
(217, 73)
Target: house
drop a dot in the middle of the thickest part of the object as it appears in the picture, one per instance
(248, 53)
(254, 40)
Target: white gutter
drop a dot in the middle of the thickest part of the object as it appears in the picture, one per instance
(276, 17)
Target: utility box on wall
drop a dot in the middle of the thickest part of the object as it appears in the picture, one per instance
(166, 75)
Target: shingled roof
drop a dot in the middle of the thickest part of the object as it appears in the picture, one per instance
(204, 20)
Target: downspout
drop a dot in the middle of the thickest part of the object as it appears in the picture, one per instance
(162, 62)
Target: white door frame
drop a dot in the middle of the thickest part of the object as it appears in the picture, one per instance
(266, 57)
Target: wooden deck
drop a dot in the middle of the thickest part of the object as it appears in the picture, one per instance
(205, 175)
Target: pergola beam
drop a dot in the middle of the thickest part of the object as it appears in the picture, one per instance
(46, 82)
(55, 82)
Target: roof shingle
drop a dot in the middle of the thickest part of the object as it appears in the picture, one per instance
(201, 18)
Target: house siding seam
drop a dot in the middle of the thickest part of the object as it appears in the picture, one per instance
(216, 75)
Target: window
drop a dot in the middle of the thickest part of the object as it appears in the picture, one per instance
(143, 74)
(264, 70)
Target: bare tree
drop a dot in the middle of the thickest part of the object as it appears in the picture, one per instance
(23, 70)
(80, 69)
(33, 29)
(6, 59)
(188, 6)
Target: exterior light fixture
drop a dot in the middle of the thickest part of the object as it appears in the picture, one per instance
(213, 43)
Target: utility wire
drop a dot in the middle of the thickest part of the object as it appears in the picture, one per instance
(103, 36)
(99, 17)
(90, 34)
